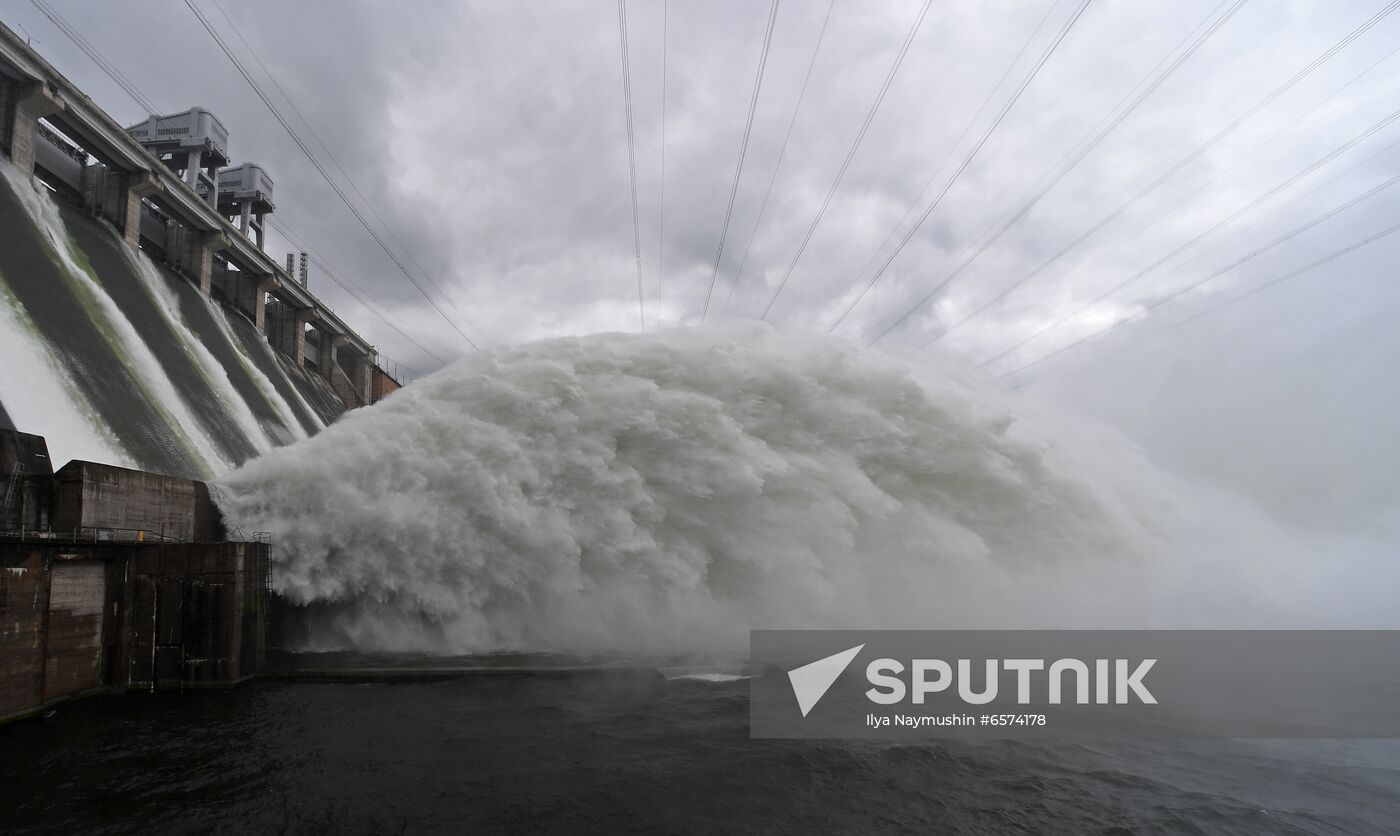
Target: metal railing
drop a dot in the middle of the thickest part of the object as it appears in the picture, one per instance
(89, 534)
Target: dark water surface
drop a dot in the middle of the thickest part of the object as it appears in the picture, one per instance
(626, 754)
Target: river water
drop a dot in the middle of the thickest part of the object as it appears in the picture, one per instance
(628, 753)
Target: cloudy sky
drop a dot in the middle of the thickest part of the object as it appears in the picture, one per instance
(490, 137)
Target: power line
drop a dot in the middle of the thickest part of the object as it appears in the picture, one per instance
(1043, 184)
(1126, 107)
(1321, 161)
(782, 153)
(855, 146)
(938, 170)
(1185, 161)
(661, 202)
(208, 27)
(1153, 223)
(1270, 283)
(1301, 197)
(1281, 279)
(631, 157)
(369, 204)
(1206, 252)
(1287, 236)
(743, 152)
(355, 292)
(91, 52)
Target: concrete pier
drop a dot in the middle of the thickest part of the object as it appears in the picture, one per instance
(25, 103)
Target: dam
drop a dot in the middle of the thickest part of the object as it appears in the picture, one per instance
(134, 267)
(152, 343)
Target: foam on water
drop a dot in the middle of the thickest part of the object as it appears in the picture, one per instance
(675, 489)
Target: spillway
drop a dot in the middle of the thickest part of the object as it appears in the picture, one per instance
(116, 359)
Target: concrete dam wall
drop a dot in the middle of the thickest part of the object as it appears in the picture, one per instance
(117, 359)
(141, 320)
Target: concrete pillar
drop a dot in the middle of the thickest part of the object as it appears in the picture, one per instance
(121, 201)
(197, 256)
(252, 297)
(291, 338)
(25, 106)
(192, 170)
(351, 375)
(8, 91)
(326, 361)
(367, 384)
(174, 244)
(361, 375)
(94, 186)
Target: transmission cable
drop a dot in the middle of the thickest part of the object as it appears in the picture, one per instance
(743, 152)
(1046, 180)
(782, 153)
(1270, 283)
(661, 200)
(369, 204)
(1199, 256)
(1215, 179)
(855, 146)
(213, 33)
(1314, 166)
(1193, 156)
(1274, 282)
(359, 294)
(91, 52)
(928, 184)
(631, 157)
(1154, 80)
(356, 293)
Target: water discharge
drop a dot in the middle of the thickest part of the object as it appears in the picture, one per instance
(672, 490)
(118, 360)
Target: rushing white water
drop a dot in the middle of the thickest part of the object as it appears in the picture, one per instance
(673, 490)
(265, 385)
(39, 388)
(50, 398)
(202, 359)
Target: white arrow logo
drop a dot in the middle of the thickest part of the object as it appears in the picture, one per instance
(811, 681)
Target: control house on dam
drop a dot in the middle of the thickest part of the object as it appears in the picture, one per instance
(133, 265)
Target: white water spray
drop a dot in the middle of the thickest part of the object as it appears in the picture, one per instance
(673, 490)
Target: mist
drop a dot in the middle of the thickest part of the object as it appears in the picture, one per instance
(670, 491)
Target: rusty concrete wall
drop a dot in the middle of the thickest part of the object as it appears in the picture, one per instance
(73, 644)
(198, 614)
(382, 385)
(24, 601)
(81, 617)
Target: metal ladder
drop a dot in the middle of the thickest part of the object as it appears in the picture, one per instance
(13, 485)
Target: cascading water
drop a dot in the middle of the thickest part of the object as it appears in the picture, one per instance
(115, 360)
(671, 490)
